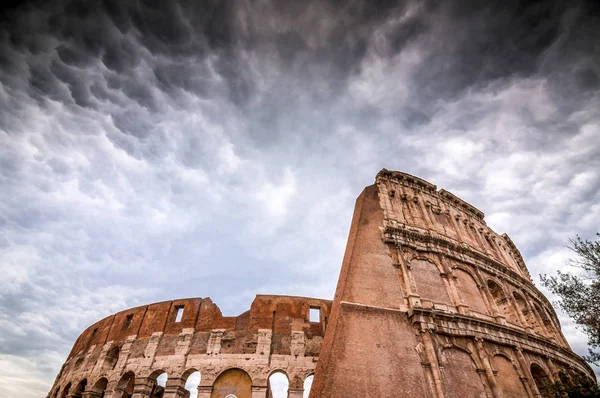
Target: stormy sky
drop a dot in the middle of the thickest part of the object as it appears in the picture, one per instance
(157, 150)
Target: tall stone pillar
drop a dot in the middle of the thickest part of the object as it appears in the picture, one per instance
(142, 387)
(366, 320)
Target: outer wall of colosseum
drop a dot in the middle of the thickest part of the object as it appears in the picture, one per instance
(123, 355)
(431, 302)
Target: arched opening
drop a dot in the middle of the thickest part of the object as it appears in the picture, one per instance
(508, 378)
(192, 381)
(234, 383)
(541, 379)
(470, 292)
(112, 357)
(430, 283)
(66, 390)
(278, 385)
(158, 378)
(545, 321)
(524, 308)
(125, 385)
(460, 374)
(502, 302)
(100, 386)
(79, 389)
(307, 386)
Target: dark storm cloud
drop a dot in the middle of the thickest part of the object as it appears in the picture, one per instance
(216, 147)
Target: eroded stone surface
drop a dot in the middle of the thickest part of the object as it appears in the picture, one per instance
(430, 302)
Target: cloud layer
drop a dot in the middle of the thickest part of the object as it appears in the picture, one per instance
(215, 148)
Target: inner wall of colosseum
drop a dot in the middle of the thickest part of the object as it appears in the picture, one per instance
(430, 303)
(154, 350)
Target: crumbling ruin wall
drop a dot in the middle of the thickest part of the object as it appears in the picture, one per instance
(122, 355)
(432, 303)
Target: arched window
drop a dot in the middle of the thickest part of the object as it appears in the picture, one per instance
(527, 315)
(80, 388)
(307, 386)
(278, 385)
(112, 357)
(541, 379)
(159, 378)
(234, 382)
(460, 374)
(192, 381)
(508, 378)
(502, 302)
(124, 388)
(430, 284)
(470, 292)
(100, 387)
(66, 390)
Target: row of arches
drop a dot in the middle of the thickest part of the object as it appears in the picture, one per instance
(231, 383)
(460, 286)
(464, 377)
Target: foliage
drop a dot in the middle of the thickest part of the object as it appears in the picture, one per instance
(574, 386)
(580, 294)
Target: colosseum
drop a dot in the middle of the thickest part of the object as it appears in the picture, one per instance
(430, 302)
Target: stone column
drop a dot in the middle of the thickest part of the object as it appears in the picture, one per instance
(489, 373)
(175, 389)
(142, 387)
(530, 382)
(295, 392)
(435, 365)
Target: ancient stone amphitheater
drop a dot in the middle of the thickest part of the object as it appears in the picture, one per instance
(430, 302)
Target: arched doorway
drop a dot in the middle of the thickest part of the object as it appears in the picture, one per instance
(125, 385)
(100, 387)
(278, 385)
(232, 383)
(541, 379)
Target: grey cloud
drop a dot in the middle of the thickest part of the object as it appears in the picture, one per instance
(216, 148)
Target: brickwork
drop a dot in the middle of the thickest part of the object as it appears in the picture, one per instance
(459, 303)
(430, 302)
(122, 355)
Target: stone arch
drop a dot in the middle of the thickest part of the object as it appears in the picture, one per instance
(547, 324)
(232, 381)
(65, 390)
(502, 302)
(78, 392)
(507, 376)
(158, 383)
(470, 291)
(124, 388)
(275, 384)
(541, 379)
(191, 380)
(99, 386)
(111, 359)
(429, 280)
(522, 306)
(308, 380)
(461, 375)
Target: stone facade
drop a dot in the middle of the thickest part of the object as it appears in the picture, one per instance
(430, 302)
(122, 355)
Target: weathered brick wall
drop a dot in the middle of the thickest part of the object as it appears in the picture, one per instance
(138, 344)
(460, 304)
